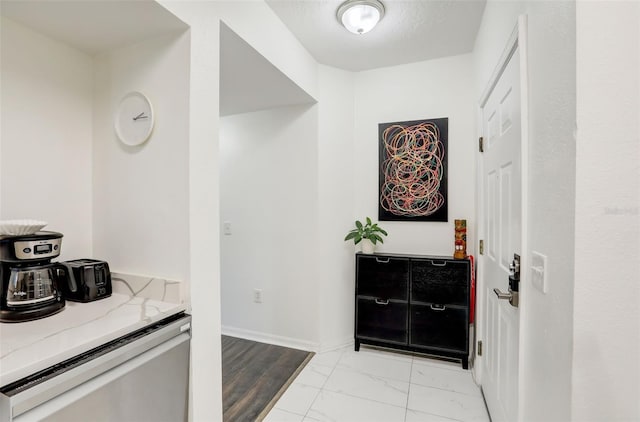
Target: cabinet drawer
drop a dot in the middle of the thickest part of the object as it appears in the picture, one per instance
(440, 281)
(382, 277)
(432, 326)
(385, 322)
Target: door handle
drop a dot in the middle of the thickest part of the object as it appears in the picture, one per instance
(512, 296)
(502, 295)
(382, 302)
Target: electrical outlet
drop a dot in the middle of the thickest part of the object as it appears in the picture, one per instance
(226, 228)
(257, 295)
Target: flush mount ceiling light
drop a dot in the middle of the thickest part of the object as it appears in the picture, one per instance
(360, 16)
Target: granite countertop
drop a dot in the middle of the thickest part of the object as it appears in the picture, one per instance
(28, 347)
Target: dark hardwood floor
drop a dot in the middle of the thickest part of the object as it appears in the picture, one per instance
(254, 376)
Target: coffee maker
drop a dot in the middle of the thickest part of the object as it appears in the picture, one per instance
(30, 282)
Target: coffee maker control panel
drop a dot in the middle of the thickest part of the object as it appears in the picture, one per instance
(37, 249)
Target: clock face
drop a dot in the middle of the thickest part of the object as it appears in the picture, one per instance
(134, 119)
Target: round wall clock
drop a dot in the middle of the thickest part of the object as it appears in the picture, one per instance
(134, 119)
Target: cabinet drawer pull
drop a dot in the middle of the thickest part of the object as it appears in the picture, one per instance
(439, 263)
(382, 302)
(438, 307)
(382, 260)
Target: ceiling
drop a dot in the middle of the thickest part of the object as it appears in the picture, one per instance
(248, 81)
(93, 26)
(410, 31)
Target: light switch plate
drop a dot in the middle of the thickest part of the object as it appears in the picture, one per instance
(226, 228)
(539, 271)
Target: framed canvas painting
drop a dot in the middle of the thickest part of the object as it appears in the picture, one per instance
(413, 170)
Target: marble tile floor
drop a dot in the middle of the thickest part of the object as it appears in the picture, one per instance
(379, 385)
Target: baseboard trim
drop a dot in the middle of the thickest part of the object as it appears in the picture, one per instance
(347, 342)
(260, 337)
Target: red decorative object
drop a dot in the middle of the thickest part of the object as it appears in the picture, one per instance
(472, 291)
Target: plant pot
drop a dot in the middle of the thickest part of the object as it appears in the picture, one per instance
(367, 246)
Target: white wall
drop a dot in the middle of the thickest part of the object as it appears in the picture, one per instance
(430, 89)
(265, 32)
(46, 135)
(335, 263)
(108, 200)
(606, 371)
(546, 320)
(141, 208)
(268, 193)
(204, 213)
(45, 140)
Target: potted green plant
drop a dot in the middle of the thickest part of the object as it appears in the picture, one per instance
(369, 234)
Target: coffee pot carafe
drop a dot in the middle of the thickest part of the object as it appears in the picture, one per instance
(31, 283)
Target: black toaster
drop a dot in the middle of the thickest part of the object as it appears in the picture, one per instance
(92, 279)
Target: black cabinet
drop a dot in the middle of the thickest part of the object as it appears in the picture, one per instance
(386, 277)
(382, 320)
(413, 302)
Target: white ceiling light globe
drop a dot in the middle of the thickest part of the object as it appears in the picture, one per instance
(360, 16)
(360, 19)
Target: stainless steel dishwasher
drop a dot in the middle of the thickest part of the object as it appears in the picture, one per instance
(143, 376)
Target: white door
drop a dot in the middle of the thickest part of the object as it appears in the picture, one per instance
(501, 174)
